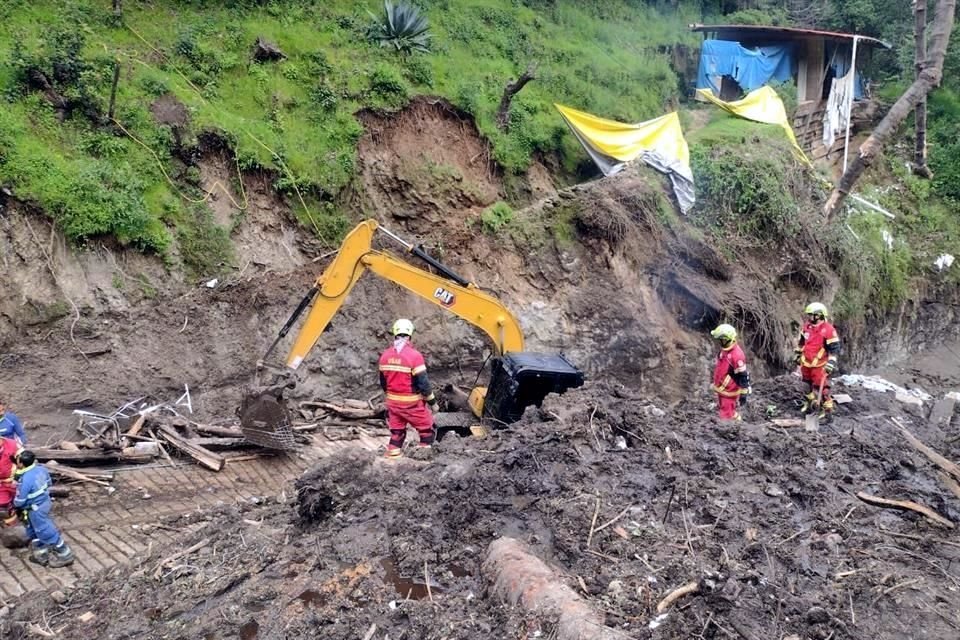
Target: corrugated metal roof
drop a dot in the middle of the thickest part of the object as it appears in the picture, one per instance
(739, 30)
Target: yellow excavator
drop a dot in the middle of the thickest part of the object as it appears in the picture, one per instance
(518, 378)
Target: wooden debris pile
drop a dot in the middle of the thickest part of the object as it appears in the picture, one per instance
(343, 419)
(139, 432)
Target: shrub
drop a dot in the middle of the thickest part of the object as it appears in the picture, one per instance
(744, 195)
(496, 216)
(388, 86)
(402, 27)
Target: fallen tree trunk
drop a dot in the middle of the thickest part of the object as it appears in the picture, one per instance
(906, 505)
(934, 457)
(205, 457)
(517, 576)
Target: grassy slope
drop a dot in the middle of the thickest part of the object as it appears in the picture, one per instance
(296, 116)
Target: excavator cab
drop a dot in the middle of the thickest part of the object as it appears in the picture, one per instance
(518, 379)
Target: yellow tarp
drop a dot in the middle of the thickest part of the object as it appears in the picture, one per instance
(658, 142)
(761, 105)
(627, 141)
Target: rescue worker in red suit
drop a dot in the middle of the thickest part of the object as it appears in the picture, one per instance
(9, 448)
(816, 353)
(403, 378)
(731, 380)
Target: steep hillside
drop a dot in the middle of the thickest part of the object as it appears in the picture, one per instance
(187, 69)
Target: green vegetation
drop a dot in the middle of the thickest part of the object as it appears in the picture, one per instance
(496, 216)
(293, 117)
(746, 179)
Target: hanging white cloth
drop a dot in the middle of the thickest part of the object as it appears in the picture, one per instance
(836, 116)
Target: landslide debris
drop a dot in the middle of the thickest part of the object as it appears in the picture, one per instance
(626, 500)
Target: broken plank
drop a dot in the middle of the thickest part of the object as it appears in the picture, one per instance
(205, 457)
(787, 422)
(345, 412)
(950, 482)
(137, 425)
(226, 443)
(89, 455)
(933, 456)
(906, 505)
(221, 432)
(73, 474)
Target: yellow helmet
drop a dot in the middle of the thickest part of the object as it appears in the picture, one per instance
(724, 332)
(403, 327)
(816, 309)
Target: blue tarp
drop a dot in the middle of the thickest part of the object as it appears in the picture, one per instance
(751, 68)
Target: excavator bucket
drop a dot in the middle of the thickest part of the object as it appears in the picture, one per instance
(264, 419)
(524, 379)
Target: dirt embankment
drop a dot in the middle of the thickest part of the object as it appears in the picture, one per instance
(626, 503)
(601, 271)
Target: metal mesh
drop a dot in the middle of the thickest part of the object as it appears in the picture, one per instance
(265, 421)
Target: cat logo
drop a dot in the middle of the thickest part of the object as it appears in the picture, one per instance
(445, 297)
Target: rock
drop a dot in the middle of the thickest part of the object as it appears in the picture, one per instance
(615, 588)
(266, 51)
(773, 491)
(943, 411)
(907, 398)
(954, 395)
(58, 596)
(818, 615)
(833, 542)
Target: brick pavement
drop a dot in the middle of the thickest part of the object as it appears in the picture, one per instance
(105, 527)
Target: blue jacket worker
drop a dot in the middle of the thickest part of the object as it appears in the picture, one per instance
(33, 504)
(10, 425)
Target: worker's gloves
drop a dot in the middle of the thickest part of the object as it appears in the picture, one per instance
(434, 406)
(743, 395)
(797, 356)
(830, 366)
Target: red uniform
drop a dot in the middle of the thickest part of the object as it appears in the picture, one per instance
(819, 343)
(8, 486)
(731, 365)
(403, 377)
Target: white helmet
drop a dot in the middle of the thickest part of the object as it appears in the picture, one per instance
(403, 327)
(816, 309)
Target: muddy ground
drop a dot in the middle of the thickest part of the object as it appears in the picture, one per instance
(764, 517)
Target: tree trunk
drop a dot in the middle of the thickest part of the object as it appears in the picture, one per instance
(512, 89)
(929, 78)
(920, 39)
(113, 90)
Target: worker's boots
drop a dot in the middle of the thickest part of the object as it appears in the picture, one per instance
(61, 556)
(39, 553)
(809, 404)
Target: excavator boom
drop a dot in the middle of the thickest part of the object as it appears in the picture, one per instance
(519, 379)
(357, 255)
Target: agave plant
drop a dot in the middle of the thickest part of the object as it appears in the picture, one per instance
(403, 27)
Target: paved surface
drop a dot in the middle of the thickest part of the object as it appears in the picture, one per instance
(105, 528)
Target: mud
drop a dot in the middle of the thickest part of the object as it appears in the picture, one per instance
(764, 517)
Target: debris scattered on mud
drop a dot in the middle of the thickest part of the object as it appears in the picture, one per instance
(764, 520)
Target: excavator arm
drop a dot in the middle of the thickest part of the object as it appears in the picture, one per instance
(357, 256)
(518, 378)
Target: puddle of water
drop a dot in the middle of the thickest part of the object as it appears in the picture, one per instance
(250, 630)
(414, 588)
(312, 598)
